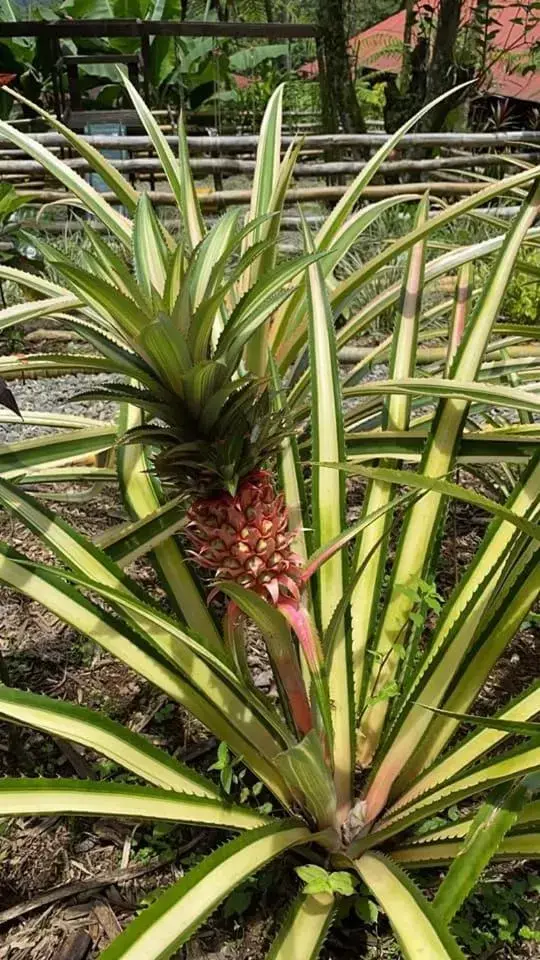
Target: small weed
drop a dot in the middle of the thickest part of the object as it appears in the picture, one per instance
(232, 778)
(500, 913)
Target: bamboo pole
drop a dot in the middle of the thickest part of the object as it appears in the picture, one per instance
(346, 356)
(434, 354)
(208, 166)
(76, 226)
(248, 144)
(225, 198)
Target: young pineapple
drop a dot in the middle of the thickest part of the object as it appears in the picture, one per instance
(209, 422)
(245, 537)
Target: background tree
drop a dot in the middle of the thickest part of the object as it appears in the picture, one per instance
(447, 43)
(340, 105)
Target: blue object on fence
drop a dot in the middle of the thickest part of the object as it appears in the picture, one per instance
(106, 130)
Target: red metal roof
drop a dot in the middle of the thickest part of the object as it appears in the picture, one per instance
(368, 49)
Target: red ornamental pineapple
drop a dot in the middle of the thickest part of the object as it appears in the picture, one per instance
(245, 538)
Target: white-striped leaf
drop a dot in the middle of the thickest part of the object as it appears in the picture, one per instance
(328, 515)
(164, 926)
(304, 929)
(416, 924)
(97, 731)
(41, 797)
(119, 225)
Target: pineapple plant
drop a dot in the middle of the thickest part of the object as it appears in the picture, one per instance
(202, 337)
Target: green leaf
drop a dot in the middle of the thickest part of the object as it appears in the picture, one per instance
(466, 643)
(366, 910)
(108, 265)
(304, 768)
(416, 924)
(164, 926)
(439, 854)
(119, 225)
(257, 305)
(303, 931)
(41, 797)
(316, 879)
(328, 514)
(167, 351)
(343, 883)
(346, 290)
(492, 822)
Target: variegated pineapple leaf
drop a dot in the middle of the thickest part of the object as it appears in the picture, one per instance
(472, 748)
(117, 742)
(518, 728)
(127, 195)
(304, 929)
(41, 797)
(416, 924)
(446, 487)
(453, 389)
(517, 763)
(489, 447)
(524, 846)
(305, 769)
(165, 925)
(136, 538)
(34, 366)
(281, 651)
(328, 514)
(170, 164)
(52, 450)
(139, 651)
(419, 533)
(119, 225)
(150, 253)
(492, 822)
(141, 494)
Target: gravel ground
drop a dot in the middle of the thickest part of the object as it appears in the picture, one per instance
(54, 395)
